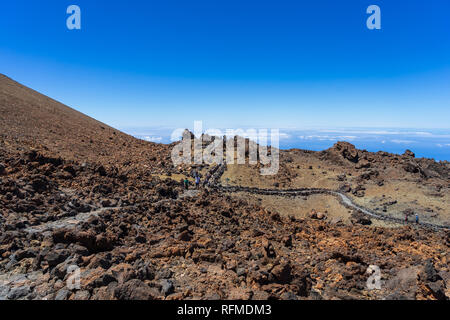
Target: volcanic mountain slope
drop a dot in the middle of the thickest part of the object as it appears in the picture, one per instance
(30, 120)
(135, 233)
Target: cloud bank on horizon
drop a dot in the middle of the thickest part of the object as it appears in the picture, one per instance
(429, 144)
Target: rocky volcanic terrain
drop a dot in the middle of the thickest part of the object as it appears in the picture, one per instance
(388, 184)
(77, 193)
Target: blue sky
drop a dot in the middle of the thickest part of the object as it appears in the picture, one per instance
(296, 64)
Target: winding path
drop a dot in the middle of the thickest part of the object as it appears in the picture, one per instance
(212, 182)
(217, 172)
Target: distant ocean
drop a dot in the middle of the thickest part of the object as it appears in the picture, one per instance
(434, 144)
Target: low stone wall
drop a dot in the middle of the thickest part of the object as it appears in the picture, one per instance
(217, 171)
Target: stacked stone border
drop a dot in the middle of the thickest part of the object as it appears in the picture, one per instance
(213, 182)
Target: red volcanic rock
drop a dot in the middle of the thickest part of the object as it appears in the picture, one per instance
(282, 273)
(135, 290)
(409, 153)
(77, 193)
(360, 218)
(346, 150)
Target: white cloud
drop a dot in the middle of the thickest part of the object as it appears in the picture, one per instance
(327, 137)
(152, 138)
(423, 134)
(402, 141)
(284, 135)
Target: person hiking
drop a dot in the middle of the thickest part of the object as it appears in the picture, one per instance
(417, 218)
(197, 181)
(205, 182)
(406, 217)
(186, 183)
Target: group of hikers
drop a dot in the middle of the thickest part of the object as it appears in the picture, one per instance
(197, 181)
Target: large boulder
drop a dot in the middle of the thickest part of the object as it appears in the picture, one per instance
(347, 150)
(282, 273)
(404, 284)
(358, 217)
(411, 167)
(409, 153)
(56, 257)
(135, 290)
